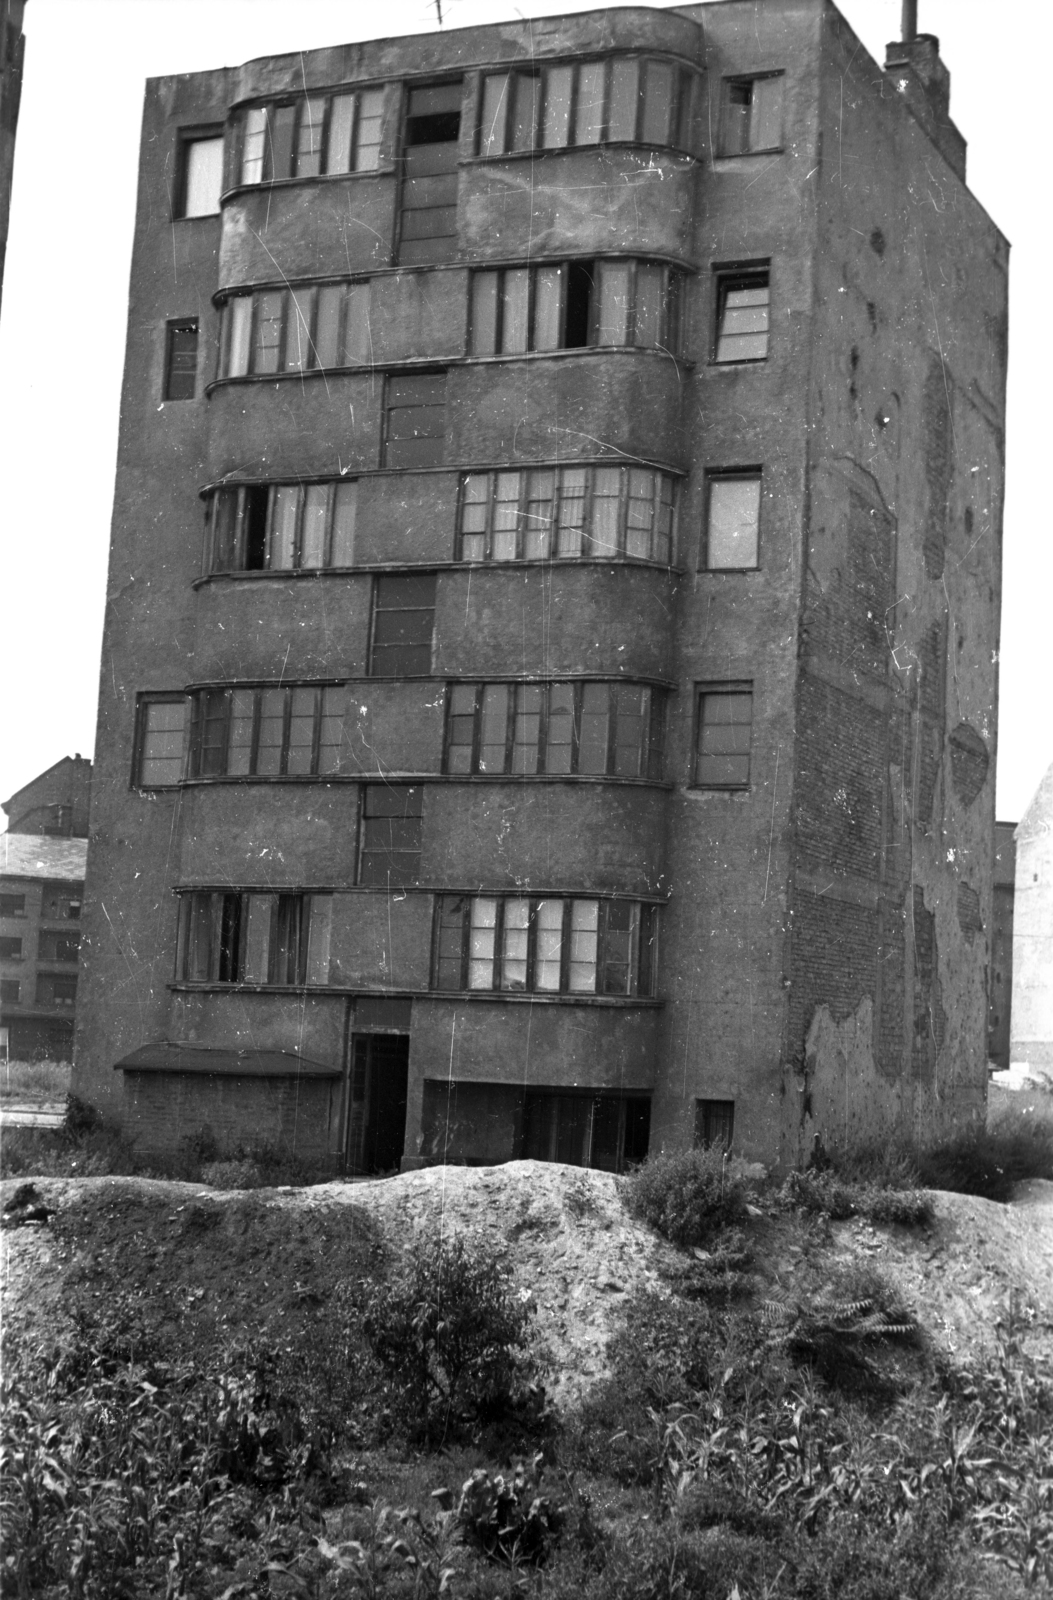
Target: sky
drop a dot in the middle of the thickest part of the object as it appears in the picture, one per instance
(62, 323)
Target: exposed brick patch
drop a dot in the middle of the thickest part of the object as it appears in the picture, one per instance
(164, 1108)
(930, 1019)
(969, 762)
(889, 1045)
(850, 620)
(835, 944)
(969, 918)
(938, 443)
(841, 776)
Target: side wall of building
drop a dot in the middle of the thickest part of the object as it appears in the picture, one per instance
(1032, 1024)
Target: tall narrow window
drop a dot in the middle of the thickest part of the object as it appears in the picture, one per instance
(201, 181)
(732, 520)
(431, 145)
(403, 624)
(743, 313)
(181, 359)
(415, 420)
(723, 730)
(391, 831)
(159, 741)
(752, 116)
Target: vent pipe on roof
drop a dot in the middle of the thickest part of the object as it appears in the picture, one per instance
(909, 27)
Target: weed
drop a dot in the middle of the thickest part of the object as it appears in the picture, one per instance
(508, 1518)
(687, 1196)
(990, 1161)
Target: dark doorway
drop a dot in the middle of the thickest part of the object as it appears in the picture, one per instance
(428, 230)
(376, 1126)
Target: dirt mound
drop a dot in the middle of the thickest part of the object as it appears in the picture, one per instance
(227, 1263)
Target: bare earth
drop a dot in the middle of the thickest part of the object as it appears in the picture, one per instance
(244, 1260)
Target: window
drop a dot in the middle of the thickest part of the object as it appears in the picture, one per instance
(10, 949)
(202, 175)
(311, 136)
(58, 946)
(56, 904)
(723, 726)
(403, 624)
(305, 329)
(610, 729)
(544, 945)
(390, 839)
(732, 520)
(752, 119)
(159, 739)
(181, 359)
(415, 420)
(627, 99)
(606, 1131)
(571, 304)
(234, 936)
(567, 513)
(55, 990)
(743, 306)
(288, 732)
(287, 527)
(10, 990)
(714, 1123)
(12, 905)
(431, 147)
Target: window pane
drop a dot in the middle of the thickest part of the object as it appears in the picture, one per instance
(515, 304)
(370, 127)
(484, 313)
(475, 500)
(592, 741)
(197, 966)
(493, 731)
(448, 974)
(285, 514)
(743, 332)
(548, 308)
(506, 517)
(617, 948)
(403, 623)
(181, 361)
(724, 739)
(527, 728)
(572, 485)
(203, 177)
(309, 138)
(332, 728)
(614, 303)
(224, 514)
(391, 834)
(525, 111)
(315, 511)
(663, 546)
(460, 728)
(288, 951)
(631, 704)
(239, 749)
(649, 305)
(494, 116)
(537, 542)
(257, 939)
(658, 102)
(625, 84)
(239, 311)
(639, 514)
(164, 723)
(549, 949)
(559, 733)
(211, 733)
(737, 104)
(515, 938)
(766, 114)
(606, 508)
(588, 115)
(272, 724)
(301, 732)
(319, 924)
(345, 505)
(734, 521)
(341, 122)
(482, 933)
(584, 933)
(327, 326)
(298, 339)
(253, 147)
(357, 340)
(558, 86)
(282, 124)
(267, 345)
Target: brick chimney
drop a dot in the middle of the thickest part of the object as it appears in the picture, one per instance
(914, 66)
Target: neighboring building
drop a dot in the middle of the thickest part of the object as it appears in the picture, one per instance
(41, 892)
(1000, 979)
(1032, 1024)
(56, 803)
(12, 57)
(576, 728)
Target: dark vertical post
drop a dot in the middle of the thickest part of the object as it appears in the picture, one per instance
(910, 19)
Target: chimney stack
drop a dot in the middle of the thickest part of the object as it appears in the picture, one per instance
(913, 63)
(909, 27)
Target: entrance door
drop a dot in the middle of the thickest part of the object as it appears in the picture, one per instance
(428, 230)
(376, 1129)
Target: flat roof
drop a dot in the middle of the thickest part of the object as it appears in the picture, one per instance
(34, 855)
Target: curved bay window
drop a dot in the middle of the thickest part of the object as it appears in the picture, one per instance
(309, 136)
(568, 729)
(622, 100)
(238, 936)
(544, 944)
(303, 329)
(571, 305)
(572, 513)
(288, 732)
(281, 527)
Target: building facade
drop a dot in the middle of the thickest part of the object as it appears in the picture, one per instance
(41, 895)
(1032, 1017)
(549, 692)
(56, 803)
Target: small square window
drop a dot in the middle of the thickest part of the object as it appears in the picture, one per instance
(732, 537)
(403, 624)
(392, 826)
(714, 1123)
(202, 175)
(10, 990)
(10, 949)
(181, 359)
(723, 728)
(12, 905)
(752, 115)
(743, 316)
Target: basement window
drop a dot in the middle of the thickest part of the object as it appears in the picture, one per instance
(743, 316)
(159, 741)
(732, 538)
(311, 136)
(573, 305)
(201, 174)
(240, 936)
(546, 945)
(276, 732)
(714, 1123)
(288, 527)
(752, 115)
(390, 834)
(606, 729)
(181, 359)
(723, 732)
(403, 625)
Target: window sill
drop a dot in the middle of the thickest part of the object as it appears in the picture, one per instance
(546, 563)
(748, 155)
(746, 361)
(546, 152)
(501, 996)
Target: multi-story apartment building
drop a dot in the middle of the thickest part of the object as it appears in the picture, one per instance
(41, 893)
(549, 686)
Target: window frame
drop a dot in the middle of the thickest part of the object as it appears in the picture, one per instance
(173, 328)
(341, 494)
(368, 857)
(650, 749)
(389, 579)
(403, 460)
(245, 929)
(187, 137)
(751, 474)
(641, 965)
(588, 546)
(728, 280)
(600, 271)
(299, 102)
(684, 80)
(714, 1124)
(8, 941)
(745, 689)
(7, 997)
(214, 708)
(144, 700)
(727, 87)
(13, 916)
(352, 324)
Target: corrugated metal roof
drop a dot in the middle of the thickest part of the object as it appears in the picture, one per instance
(32, 855)
(165, 1056)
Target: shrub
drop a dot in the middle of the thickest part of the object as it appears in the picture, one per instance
(687, 1196)
(508, 1518)
(231, 1175)
(990, 1161)
(451, 1334)
(826, 1193)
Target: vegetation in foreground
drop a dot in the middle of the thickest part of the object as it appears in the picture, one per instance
(35, 1081)
(397, 1444)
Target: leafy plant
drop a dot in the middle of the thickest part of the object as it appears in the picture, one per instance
(508, 1518)
(687, 1196)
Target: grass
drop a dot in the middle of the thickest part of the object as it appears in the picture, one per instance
(34, 1081)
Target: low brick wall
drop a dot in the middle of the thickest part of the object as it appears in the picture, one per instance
(295, 1115)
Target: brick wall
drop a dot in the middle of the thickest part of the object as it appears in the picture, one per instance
(162, 1109)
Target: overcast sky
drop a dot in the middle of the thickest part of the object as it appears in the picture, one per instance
(62, 327)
